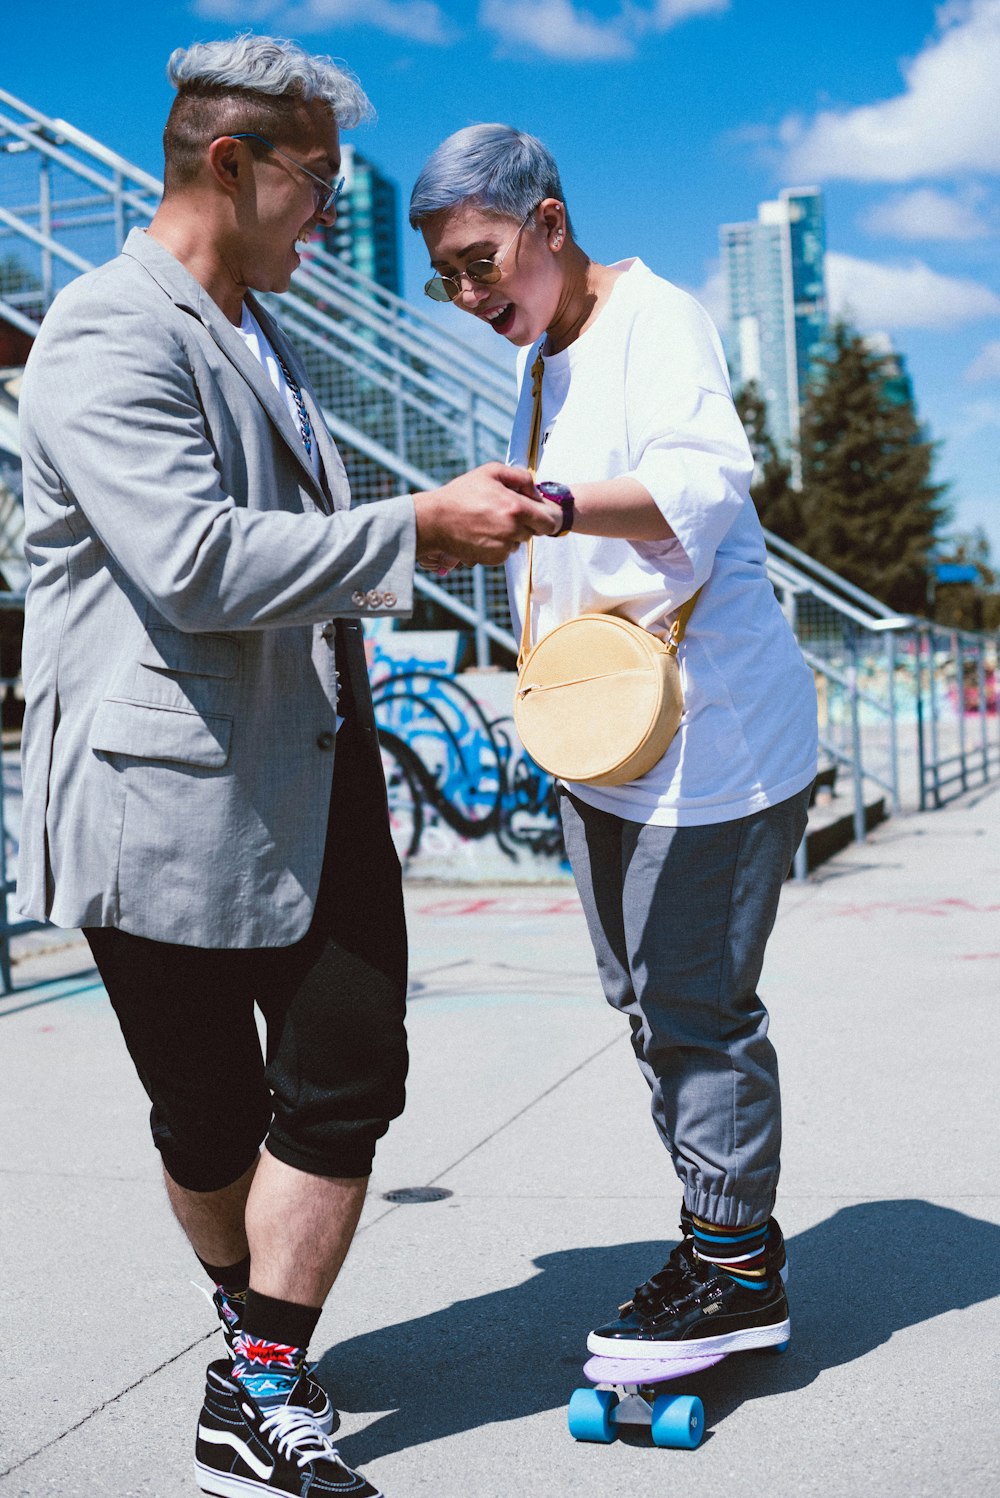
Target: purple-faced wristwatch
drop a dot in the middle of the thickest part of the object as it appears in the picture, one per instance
(563, 497)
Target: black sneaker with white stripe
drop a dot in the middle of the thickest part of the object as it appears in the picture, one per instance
(312, 1395)
(241, 1451)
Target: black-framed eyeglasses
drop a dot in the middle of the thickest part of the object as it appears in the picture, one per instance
(479, 272)
(325, 194)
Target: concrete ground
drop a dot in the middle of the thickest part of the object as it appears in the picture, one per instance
(455, 1335)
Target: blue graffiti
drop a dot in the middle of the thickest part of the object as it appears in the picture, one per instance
(446, 761)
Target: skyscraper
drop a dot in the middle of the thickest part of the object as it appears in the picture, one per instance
(896, 382)
(366, 231)
(774, 272)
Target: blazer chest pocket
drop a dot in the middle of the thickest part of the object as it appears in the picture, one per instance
(143, 731)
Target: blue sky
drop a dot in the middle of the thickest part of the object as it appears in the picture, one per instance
(667, 118)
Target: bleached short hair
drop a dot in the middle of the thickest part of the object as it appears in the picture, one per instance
(497, 168)
(250, 83)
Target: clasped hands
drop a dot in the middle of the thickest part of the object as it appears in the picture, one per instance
(481, 516)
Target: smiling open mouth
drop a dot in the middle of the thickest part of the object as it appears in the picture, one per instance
(500, 319)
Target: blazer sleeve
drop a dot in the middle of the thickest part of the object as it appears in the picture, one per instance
(110, 412)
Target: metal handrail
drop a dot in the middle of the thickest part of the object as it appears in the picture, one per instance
(808, 565)
(407, 325)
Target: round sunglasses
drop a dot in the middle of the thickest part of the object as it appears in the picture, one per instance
(480, 272)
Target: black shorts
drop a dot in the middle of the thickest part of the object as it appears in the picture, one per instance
(334, 1065)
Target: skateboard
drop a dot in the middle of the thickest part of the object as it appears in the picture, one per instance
(628, 1393)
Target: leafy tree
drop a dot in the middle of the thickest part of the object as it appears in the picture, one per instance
(778, 504)
(973, 605)
(870, 509)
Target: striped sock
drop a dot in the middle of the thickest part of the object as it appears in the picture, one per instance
(741, 1252)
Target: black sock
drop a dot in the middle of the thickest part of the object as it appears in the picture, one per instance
(272, 1320)
(228, 1276)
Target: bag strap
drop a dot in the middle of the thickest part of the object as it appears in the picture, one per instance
(680, 624)
(534, 438)
(679, 627)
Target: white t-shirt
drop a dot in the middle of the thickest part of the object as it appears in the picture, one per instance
(259, 345)
(644, 393)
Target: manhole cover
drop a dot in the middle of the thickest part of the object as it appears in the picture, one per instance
(416, 1194)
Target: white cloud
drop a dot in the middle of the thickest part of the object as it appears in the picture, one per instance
(567, 31)
(555, 28)
(904, 296)
(926, 213)
(979, 417)
(417, 20)
(945, 122)
(986, 365)
(713, 296)
(563, 30)
(667, 13)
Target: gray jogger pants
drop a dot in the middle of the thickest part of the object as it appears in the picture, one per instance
(679, 918)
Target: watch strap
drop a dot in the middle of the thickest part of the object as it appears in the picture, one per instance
(563, 497)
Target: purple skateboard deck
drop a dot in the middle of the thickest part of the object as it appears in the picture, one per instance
(601, 1370)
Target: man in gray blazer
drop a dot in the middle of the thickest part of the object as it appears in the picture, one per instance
(202, 786)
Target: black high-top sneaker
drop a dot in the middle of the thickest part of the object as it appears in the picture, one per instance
(314, 1397)
(240, 1450)
(693, 1309)
(683, 1256)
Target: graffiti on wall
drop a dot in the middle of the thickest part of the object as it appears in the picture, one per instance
(463, 795)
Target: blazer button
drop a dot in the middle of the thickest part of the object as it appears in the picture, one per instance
(358, 599)
(325, 740)
(329, 630)
(389, 599)
(375, 598)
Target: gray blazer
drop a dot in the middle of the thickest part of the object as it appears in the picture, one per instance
(179, 652)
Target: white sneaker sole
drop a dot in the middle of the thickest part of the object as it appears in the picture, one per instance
(226, 1486)
(742, 1341)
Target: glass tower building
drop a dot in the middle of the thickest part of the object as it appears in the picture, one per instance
(776, 285)
(366, 232)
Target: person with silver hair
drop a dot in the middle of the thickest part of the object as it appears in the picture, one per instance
(203, 791)
(679, 871)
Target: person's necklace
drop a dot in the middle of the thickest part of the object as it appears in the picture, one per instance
(305, 425)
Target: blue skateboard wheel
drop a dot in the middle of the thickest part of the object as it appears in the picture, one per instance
(781, 1347)
(590, 1415)
(678, 1421)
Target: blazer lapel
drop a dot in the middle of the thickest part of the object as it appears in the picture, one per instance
(257, 378)
(335, 481)
(336, 490)
(188, 293)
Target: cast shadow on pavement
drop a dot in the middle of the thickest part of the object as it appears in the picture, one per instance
(85, 982)
(854, 1280)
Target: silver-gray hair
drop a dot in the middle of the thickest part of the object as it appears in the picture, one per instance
(271, 65)
(495, 167)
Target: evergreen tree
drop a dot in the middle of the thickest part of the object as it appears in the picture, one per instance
(973, 605)
(771, 487)
(869, 508)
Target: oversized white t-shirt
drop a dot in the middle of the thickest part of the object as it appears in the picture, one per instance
(644, 393)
